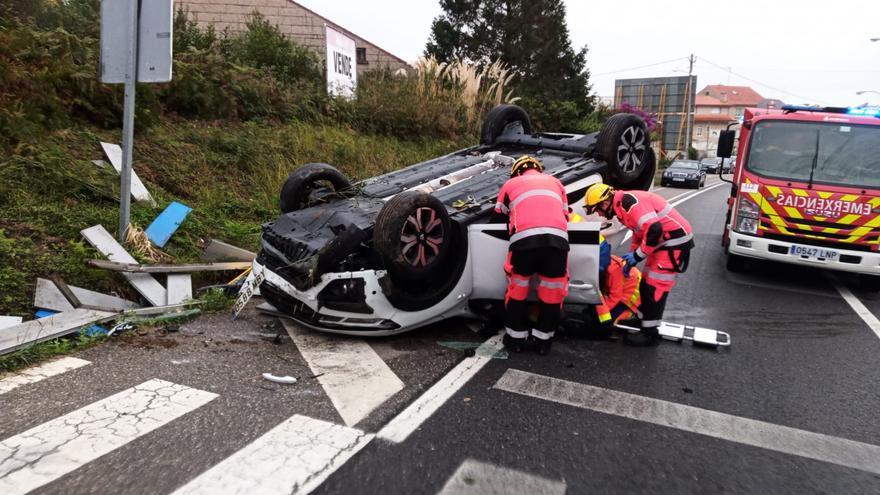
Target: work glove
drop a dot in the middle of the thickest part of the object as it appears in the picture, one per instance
(631, 259)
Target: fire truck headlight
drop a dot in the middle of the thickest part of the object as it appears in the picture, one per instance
(747, 215)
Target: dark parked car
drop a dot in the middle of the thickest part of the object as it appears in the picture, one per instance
(710, 165)
(684, 173)
(415, 246)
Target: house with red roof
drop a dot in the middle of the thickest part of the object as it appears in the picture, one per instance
(715, 107)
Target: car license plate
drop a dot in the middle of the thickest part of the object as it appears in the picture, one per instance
(251, 284)
(678, 179)
(814, 253)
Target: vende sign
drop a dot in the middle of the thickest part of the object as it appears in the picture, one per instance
(341, 67)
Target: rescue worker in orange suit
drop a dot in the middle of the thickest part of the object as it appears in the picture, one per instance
(660, 235)
(535, 207)
(619, 293)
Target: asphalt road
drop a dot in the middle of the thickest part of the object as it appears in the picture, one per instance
(790, 407)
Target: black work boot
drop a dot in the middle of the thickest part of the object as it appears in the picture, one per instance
(542, 347)
(647, 337)
(513, 344)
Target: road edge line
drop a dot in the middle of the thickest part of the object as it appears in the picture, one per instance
(859, 307)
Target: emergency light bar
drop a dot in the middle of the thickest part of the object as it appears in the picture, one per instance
(858, 111)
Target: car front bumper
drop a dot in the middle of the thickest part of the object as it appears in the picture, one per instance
(770, 249)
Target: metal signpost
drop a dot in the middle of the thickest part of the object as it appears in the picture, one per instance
(136, 46)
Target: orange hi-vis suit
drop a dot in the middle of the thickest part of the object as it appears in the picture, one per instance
(620, 294)
(663, 236)
(536, 207)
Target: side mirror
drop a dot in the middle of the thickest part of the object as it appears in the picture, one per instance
(725, 143)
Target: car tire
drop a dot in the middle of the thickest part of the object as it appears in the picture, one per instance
(735, 263)
(646, 179)
(499, 118)
(623, 142)
(297, 191)
(412, 234)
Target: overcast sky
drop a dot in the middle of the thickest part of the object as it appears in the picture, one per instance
(797, 51)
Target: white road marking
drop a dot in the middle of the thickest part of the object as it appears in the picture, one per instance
(47, 452)
(675, 201)
(746, 431)
(864, 313)
(404, 424)
(294, 457)
(478, 478)
(41, 372)
(355, 378)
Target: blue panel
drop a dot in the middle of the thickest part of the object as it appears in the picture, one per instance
(164, 226)
(91, 331)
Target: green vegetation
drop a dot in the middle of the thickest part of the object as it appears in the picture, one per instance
(45, 350)
(243, 111)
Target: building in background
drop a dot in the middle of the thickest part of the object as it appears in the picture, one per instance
(718, 106)
(670, 98)
(302, 25)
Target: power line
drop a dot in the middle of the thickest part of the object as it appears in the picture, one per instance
(639, 67)
(727, 69)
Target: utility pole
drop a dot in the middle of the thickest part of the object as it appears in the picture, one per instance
(128, 120)
(688, 105)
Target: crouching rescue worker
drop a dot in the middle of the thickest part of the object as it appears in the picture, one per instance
(659, 234)
(619, 293)
(536, 209)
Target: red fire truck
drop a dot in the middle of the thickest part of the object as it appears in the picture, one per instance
(806, 189)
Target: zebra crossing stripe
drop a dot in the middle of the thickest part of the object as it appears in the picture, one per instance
(294, 457)
(41, 372)
(47, 452)
(479, 478)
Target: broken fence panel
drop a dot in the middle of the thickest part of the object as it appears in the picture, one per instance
(90, 331)
(51, 327)
(179, 287)
(143, 282)
(47, 296)
(8, 321)
(133, 267)
(138, 190)
(220, 251)
(164, 226)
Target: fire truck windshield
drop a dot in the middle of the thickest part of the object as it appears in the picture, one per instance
(847, 154)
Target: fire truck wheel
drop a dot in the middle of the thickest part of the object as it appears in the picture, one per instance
(869, 282)
(735, 263)
(499, 118)
(623, 143)
(305, 185)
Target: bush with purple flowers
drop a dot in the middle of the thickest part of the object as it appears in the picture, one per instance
(650, 118)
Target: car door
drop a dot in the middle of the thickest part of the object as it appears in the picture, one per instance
(487, 245)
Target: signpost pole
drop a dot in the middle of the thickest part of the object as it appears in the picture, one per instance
(128, 121)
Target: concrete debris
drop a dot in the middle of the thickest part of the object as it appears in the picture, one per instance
(138, 190)
(143, 282)
(47, 296)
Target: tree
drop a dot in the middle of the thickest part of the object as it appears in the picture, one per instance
(530, 36)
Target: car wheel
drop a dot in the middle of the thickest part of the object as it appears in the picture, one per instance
(646, 179)
(499, 118)
(623, 143)
(299, 189)
(412, 234)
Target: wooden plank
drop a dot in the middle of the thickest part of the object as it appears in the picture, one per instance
(35, 331)
(220, 251)
(179, 288)
(136, 268)
(8, 321)
(138, 190)
(166, 224)
(47, 296)
(143, 282)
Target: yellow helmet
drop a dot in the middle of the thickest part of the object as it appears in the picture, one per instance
(524, 163)
(596, 194)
